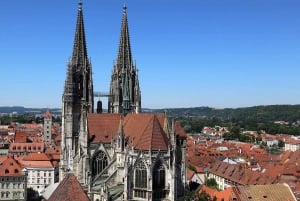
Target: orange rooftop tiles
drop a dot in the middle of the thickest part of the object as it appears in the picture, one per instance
(69, 189)
(142, 131)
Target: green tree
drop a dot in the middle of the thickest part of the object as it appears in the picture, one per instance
(211, 182)
(204, 196)
(281, 143)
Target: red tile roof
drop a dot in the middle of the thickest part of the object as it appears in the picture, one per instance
(26, 147)
(142, 131)
(274, 192)
(69, 189)
(145, 131)
(36, 157)
(48, 114)
(103, 127)
(10, 167)
(20, 136)
(219, 195)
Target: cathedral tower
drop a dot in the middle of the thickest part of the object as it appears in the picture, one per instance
(77, 102)
(125, 94)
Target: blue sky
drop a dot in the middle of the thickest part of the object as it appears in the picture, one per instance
(190, 53)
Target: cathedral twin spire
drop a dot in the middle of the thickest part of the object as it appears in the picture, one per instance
(79, 82)
(125, 95)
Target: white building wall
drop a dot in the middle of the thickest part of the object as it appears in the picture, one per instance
(39, 178)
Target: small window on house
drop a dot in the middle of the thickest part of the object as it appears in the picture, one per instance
(6, 171)
(16, 171)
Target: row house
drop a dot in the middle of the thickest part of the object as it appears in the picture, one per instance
(12, 180)
(19, 149)
(274, 192)
(41, 172)
(292, 145)
(227, 175)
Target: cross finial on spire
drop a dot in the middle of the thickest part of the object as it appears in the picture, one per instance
(80, 4)
(124, 8)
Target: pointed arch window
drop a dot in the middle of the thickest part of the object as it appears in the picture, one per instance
(99, 163)
(140, 175)
(159, 181)
(140, 181)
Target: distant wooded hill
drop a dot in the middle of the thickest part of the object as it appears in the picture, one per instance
(29, 111)
(289, 113)
(259, 118)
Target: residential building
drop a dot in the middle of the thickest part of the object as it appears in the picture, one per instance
(274, 192)
(12, 180)
(40, 171)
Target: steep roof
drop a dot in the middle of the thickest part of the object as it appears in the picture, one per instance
(26, 147)
(10, 167)
(36, 157)
(274, 192)
(144, 131)
(103, 127)
(69, 189)
(20, 136)
(36, 160)
(179, 131)
(219, 195)
(48, 114)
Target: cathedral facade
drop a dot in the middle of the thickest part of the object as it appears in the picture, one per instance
(122, 154)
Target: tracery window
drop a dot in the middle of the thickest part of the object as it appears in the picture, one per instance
(99, 163)
(140, 181)
(159, 181)
(140, 175)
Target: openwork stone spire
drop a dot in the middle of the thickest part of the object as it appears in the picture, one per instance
(124, 97)
(77, 102)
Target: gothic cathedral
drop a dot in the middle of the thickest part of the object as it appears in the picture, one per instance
(122, 154)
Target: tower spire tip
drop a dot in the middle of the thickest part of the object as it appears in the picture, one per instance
(80, 4)
(124, 8)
